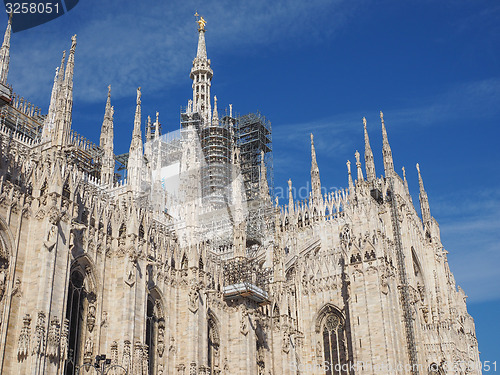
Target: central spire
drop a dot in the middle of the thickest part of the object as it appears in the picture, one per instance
(202, 48)
(201, 74)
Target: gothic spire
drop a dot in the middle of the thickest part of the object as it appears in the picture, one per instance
(290, 195)
(315, 180)
(215, 117)
(106, 143)
(264, 186)
(404, 181)
(60, 79)
(157, 125)
(202, 48)
(148, 129)
(5, 52)
(48, 124)
(386, 150)
(369, 162)
(358, 166)
(63, 122)
(201, 74)
(107, 123)
(351, 184)
(137, 134)
(57, 117)
(135, 155)
(424, 200)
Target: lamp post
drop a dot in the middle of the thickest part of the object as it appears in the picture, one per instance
(102, 365)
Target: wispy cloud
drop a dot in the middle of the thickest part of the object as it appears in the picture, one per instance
(461, 100)
(151, 43)
(470, 231)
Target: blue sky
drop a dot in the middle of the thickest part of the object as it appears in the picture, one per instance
(316, 66)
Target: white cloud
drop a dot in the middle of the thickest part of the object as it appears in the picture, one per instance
(470, 231)
(151, 43)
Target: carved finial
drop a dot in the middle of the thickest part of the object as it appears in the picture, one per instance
(418, 168)
(358, 166)
(364, 122)
(351, 184)
(382, 116)
(138, 95)
(109, 91)
(148, 129)
(405, 182)
(73, 44)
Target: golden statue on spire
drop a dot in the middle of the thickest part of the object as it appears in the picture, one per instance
(201, 21)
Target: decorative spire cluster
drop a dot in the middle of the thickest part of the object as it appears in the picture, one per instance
(57, 124)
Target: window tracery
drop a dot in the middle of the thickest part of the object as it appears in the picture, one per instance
(331, 328)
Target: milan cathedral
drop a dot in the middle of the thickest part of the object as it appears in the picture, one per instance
(176, 259)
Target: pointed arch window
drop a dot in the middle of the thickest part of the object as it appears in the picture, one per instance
(74, 315)
(155, 331)
(332, 350)
(151, 322)
(213, 346)
(334, 345)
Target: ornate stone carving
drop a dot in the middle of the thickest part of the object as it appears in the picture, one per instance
(193, 299)
(126, 354)
(192, 369)
(24, 337)
(91, 317)
(89, 350)
(39, 339)
(181, 369)
(244, 322)
(160, 342)
(137, 364)
(64, 339)
(114, 353)
(286, 342)
(51, 239)
(131, 267)
(53, 339)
